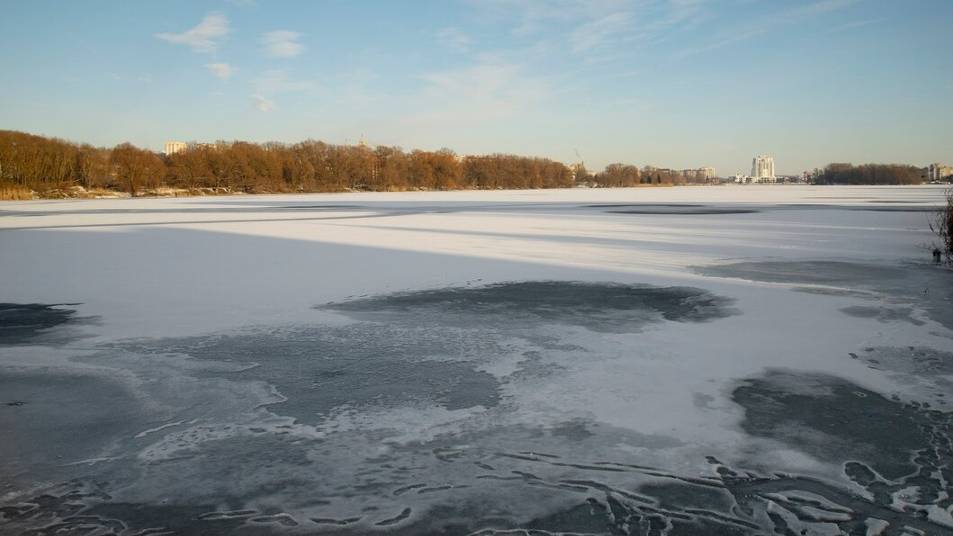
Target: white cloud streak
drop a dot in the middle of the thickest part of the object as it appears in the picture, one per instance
(282, 44)
(277, 81)
(204, 37)
(274, 82)
(455, 39)
(221, 70)
(263, 103)
(600, 32)
(766, 24)
(487, 91)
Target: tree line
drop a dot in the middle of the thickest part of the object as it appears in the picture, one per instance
(31, 163)
(625, 175)
(44, 165)
(870, 174)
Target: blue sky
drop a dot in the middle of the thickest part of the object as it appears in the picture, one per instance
(674, 83)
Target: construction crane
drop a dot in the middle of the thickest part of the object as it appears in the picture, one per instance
(579, 166)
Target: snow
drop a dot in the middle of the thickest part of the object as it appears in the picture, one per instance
(153, 276)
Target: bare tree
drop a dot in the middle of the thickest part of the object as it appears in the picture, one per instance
(136, 168)
(942, 225)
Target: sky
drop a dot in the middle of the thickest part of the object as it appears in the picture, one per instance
(669, 83)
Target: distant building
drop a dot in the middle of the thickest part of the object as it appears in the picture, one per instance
(699, 174)
(939, 172)
(172, 147)
(762, 168)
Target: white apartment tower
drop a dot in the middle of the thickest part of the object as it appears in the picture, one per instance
(762, 168)
(172, 147)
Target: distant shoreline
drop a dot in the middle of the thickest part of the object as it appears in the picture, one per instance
(79, 193)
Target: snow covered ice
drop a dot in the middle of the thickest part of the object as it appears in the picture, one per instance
(697, 360)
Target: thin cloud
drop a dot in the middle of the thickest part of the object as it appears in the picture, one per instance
(221, 70)
(856, 24)
(204, 37)
(487, 91)
(274, 82)
(282, 44)
(766, 24)
(263, 103)
(820, 6)
(277, 81)
(725, 41)
(684, 13)
(454, 39)
(533, 16)
(599, 32)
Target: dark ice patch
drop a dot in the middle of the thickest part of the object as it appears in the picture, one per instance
(919, 360)
(644, 205)
(882, 314)
(928, 372)
(359, 365)
(686, 211)
(260, 466)
(840, 292)
(834, 420)
(897, 209)
(597, 306)
(75, 508)
(671, 208)
(26, 323)
(805, 272)
(677, 495)
(922, 285)
(574, 430)
(60, 418)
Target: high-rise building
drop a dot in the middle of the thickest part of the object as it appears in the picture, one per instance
(172, 147)
(762, 168)
(939, 172)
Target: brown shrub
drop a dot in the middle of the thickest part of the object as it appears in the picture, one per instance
(12, 192)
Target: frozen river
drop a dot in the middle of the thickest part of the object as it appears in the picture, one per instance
(698, 360)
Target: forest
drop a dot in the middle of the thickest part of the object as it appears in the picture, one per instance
(37, 166)
(870, 174)
(32, 165)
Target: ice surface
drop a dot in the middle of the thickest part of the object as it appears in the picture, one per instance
(699, 360)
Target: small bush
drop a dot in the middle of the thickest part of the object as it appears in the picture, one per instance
(12, 192)
(943, 227)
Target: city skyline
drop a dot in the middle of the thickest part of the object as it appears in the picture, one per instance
(682, 84)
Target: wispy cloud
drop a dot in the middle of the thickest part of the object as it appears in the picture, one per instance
(221, 70)
(263, 103)
(820, 6)
(597, 33)
(856, 24)
(276, 81)
(145, 78)
(489, 90)
(766, 24)
(204, 37)
(722, 42)
(282, 44)
(531, 16)
(455, 39)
